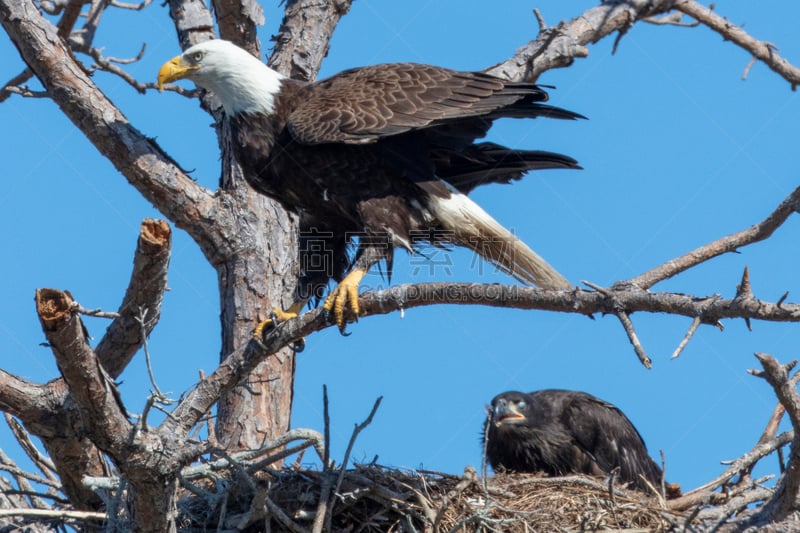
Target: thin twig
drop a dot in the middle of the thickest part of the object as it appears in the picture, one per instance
(326, 420)
(484, 460)
(540, 20)
(692, 328)
(98, 313)
(108, 65)
(22, 90)
(602, 290)
(42, 462)
(17, 472)
(746, 71)
(141, 319)
(782, 299)
(24, 484)
(324, 503)
(358, 429)
(637, 346)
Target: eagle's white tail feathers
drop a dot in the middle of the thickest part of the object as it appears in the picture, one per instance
(475, 229)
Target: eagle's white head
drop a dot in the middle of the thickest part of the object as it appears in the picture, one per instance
(243, 83)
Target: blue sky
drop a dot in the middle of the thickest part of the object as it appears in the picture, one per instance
(677, 151)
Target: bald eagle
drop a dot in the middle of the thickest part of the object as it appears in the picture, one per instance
(384, 154)
(562, 432)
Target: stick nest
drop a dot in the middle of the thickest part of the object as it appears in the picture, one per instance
(374, 498)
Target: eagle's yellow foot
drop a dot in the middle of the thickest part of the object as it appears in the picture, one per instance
(276, 316)
(343, 300)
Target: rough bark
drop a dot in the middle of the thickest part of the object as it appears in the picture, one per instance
(263, 275)
(192, 20)
(147, 459)
(304, 37)
(49, 411)
(238, 20)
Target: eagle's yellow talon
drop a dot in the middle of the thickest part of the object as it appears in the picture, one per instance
(276, 316)
(343, 300)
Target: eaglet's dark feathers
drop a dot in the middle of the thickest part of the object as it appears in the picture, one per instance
(561, 432)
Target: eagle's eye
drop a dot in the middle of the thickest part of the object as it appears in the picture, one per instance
(197, 57)
(521, 404)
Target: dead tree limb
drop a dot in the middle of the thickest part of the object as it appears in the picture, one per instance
(558, 46)
(92, 388)
(786, 496)
(761, 50)
(705, 493)
(156, 176)
(756, 233)
(145, 291)
(48, 411)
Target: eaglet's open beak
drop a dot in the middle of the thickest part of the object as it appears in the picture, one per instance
(172, 70)
(505, 413)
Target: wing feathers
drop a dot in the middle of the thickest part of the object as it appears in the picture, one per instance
(381, 100)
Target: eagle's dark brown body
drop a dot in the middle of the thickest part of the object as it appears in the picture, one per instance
(561, 432)
(362, 153)
(384, 153)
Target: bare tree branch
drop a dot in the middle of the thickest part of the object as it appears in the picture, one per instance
(47, 411)
(42, 462)
(92, 388)
(23, 90)
(126, 5)
(109, 64)
(558, 46)
(157, 177)
(786, 497)
(761, 50)
(404, 297)
(705, 493)
(671, 19)
(755, 233)
(81, 40)
(71, 10)
(689, 333)
(145, 291)
(634, 339)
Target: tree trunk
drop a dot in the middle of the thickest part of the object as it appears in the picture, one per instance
(260, 274)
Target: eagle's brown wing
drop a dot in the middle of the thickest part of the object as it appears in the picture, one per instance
(364, 104)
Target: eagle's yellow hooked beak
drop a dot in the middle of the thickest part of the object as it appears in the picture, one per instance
(172, 70)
